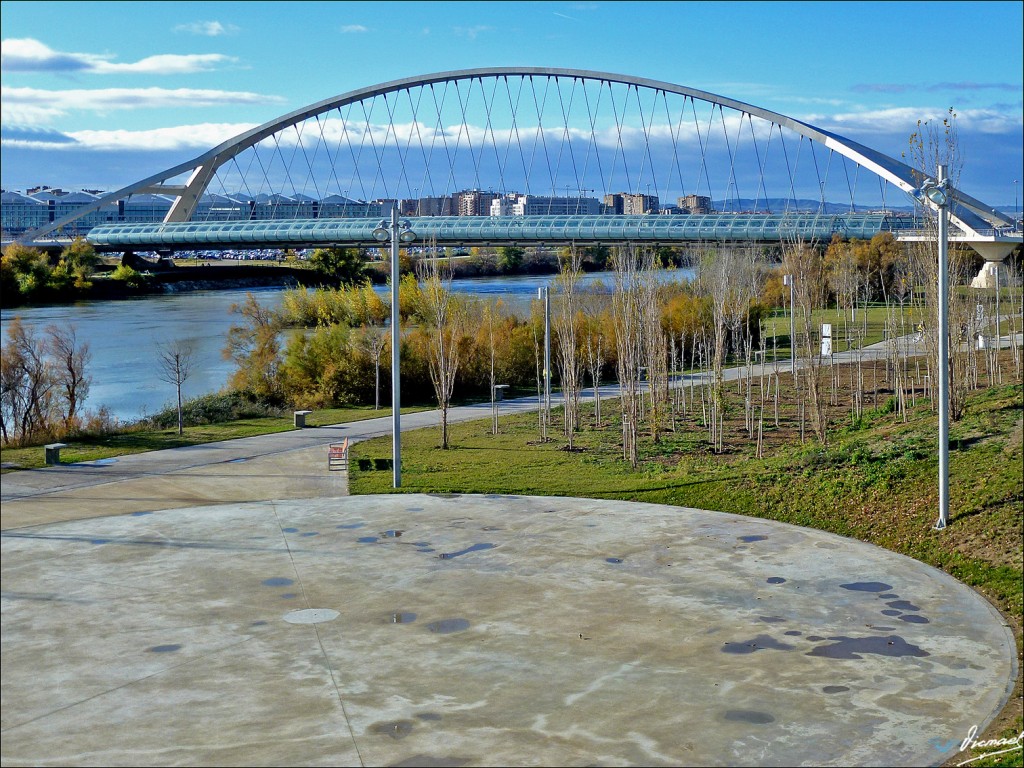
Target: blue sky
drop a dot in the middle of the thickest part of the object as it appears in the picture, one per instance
(100, 94)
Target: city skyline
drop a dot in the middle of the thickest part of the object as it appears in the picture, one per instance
(96, 98)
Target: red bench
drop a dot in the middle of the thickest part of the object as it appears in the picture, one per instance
(337, 455)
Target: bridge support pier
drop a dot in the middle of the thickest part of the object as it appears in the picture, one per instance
(994, 253)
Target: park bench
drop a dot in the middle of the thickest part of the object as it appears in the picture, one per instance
(337, 456)
(300, 419)
(53, 453)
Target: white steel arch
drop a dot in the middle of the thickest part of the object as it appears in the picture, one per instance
(968, 213)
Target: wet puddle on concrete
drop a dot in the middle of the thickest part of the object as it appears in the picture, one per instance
(759, 643)
(448, 626)
(903, 605)
(749, 716)
(867, 586)
(466, 551)
(395, 729)
(853, 647)
(278, 581)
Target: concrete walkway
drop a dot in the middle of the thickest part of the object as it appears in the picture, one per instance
(483, 630)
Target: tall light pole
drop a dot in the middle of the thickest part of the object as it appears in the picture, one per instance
(545, 293)
(994, 271)
(788, 280)
(937, 192)
(397, 231)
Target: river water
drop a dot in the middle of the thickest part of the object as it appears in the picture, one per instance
(123, 335)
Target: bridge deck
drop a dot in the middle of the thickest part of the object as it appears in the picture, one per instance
(502, 230)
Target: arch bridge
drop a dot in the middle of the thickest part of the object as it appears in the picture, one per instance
(527, 155)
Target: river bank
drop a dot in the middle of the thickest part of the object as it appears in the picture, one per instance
(183, 275)
(123, 335)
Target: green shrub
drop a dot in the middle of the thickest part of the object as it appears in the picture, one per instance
(129, 276)
(216, 408)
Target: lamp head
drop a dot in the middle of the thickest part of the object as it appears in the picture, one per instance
(935, 192)
(407, 236)
(381, 233)
(937, 195)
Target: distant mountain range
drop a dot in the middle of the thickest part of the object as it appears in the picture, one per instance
(782, 204)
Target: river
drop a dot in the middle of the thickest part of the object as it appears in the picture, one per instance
(123, 335)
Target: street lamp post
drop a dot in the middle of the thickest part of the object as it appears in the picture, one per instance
(994, 271)
(937, 192)
(788, 280)
(396, 231)
(545, 294)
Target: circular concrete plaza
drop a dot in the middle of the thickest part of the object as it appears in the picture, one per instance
(483, 630)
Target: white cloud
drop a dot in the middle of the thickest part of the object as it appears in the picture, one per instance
(353, 28)
(207, 28)
(27, 55)
(881, 121)
(167, 64)
(202, 136)
(33, 106)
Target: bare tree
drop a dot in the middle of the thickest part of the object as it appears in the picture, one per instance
(70, 360)
(595, 344)
(932, 145)
(725, 278)
(26, 385)
(443, 318)
(175, 362)
(567, 330)
(803, 261)
(628, 312)
(372, 339)
(653, 346)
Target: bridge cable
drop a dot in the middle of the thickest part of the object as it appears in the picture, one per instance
(675, 131)
(425, 181)
(592, 145)
(464, 130)
(646, 160)
(540, 135)
(356, 179)
(701, 143)
(619, 151)
(332, 162)
(489, 130)
(450, 182)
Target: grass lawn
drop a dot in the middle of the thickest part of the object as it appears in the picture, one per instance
(138, 439)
